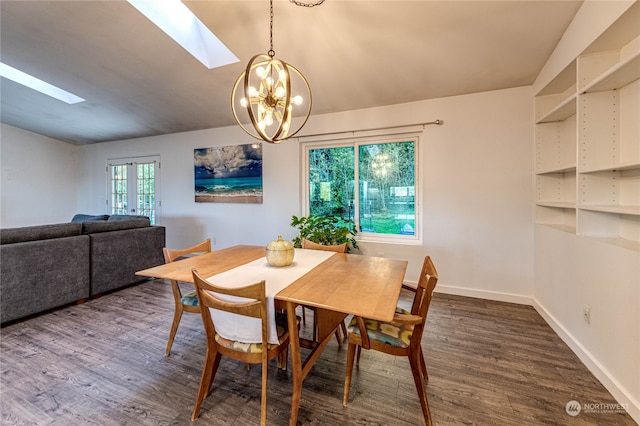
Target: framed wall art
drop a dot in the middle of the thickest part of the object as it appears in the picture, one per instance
(228, 174)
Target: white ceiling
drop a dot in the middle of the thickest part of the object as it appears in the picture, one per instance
(355, 54)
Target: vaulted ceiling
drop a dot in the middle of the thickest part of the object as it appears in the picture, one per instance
(355, 54)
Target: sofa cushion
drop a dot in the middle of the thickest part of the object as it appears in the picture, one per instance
(118, 225)
(126, 217)
(39, 232)
(81, 218)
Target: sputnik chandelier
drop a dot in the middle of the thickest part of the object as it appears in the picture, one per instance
(264, 91)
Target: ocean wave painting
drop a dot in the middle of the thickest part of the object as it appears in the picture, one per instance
(228, 174)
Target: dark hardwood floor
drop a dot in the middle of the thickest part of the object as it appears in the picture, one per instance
(103, 363)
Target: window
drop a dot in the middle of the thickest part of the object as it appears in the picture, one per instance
(133, 187)
(384, 205)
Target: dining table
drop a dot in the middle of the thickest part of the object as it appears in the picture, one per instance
(336, 284)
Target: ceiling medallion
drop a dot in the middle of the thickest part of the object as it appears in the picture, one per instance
(265, 91)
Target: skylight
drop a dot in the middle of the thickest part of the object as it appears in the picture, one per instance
(177, 21)
(36, 84)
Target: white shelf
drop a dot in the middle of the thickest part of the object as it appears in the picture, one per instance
(629, 165)
(624, 71)
(563, 168)
(556, 204)
(604, 208)
(565, 109)
(560, 227)
(620, 242)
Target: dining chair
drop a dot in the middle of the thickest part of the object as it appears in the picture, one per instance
(338, 248)
(400, 337)
(253, 304)
(183, 302)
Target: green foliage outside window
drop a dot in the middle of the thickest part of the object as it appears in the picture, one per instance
(386, 185)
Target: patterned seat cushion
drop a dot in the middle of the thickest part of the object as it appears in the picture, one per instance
(390, 333)
(281, 324)
(190, 299)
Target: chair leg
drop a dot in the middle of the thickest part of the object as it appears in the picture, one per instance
(338, 336)
(425, 374)
(358, 357)
(347, 378)
(174, 328)
(211, 362)
(283, 358)
(315, 326)
(414, 360)
(263, 397)
(343, 326)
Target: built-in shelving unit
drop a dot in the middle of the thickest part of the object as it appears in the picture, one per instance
(588, 149)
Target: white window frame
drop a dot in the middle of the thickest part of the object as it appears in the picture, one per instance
(132, 183)
(355, 142)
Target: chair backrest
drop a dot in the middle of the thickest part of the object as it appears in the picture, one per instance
(338, 248)
(253, 304)
(171, 255)
(424, 292)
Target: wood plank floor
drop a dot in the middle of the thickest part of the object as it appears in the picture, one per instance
(102, 363)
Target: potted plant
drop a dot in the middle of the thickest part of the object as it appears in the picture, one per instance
(327, 230)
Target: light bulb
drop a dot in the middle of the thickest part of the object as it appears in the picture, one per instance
(261, 125)
(243, 102)
(252, 92)
(260, 72)
(269, 81)
(268, 119)
(282, 75)
(280, 92)
(297, 100)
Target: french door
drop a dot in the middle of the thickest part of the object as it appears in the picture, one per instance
(133, 186)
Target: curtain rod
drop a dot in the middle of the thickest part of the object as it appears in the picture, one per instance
(353, 132)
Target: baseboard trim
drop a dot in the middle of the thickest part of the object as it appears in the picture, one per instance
(617, 391)
(621, 395)
(483, 294)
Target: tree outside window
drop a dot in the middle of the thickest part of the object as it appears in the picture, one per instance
(385, 175)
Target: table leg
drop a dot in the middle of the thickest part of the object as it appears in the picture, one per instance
(296, 363)
(327, 323)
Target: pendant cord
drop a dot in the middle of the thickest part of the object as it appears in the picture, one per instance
(271, 52)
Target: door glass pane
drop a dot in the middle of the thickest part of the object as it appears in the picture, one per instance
(119, 189)
(387, 188)
(146, 190)
(331, 176)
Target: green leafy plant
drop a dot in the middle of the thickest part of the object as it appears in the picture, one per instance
(327, 230)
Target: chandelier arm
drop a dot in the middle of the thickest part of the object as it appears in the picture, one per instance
(308, 113)
(285, 116)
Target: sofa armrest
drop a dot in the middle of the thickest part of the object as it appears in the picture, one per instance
(36, 276)
(116, 256)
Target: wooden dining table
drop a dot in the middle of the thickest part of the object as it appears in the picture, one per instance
(341, 285)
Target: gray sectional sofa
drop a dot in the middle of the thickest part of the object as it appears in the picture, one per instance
(47, 266)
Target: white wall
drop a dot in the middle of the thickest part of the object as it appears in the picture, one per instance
(39, 175)
(476, 185)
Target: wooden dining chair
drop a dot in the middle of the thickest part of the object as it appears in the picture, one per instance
(338, 248)
(400, 337)
(183, 302)
(251, 353)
